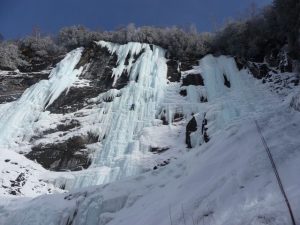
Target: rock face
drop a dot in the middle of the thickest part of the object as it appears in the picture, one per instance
(173, 71)
(275, 60)
(226, 81)
(259, 71)
(68, 155)
(98, 73)
(188, 64)
(13, 84)
(190, 128)
(193, 79)
(204, 130)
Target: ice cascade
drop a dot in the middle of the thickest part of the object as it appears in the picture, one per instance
(17, 118)
(122, 114)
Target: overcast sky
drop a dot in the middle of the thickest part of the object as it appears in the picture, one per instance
(18, 17)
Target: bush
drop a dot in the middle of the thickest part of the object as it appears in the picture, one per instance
(10, 56)
(75, 36)
(178, 41)
(288, 17)
(39, 48)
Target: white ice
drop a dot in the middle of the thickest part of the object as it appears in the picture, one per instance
(17, 118)
(122, 114)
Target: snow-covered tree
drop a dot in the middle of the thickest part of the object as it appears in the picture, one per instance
(74, 36)
(10, 56)
(288, 17)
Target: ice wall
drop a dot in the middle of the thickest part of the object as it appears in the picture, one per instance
(17, 118)
(122, 114)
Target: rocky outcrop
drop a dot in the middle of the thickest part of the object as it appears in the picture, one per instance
(188, 64)
(190, 128)
(13, 84)
(68, 155)
(226, 81)
(99, 64)
(193, 79)
(183, 92)
(173, 71)
(204, 130)
(158, 150)
(259, 71)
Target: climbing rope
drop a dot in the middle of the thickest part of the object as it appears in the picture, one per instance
(276, 173)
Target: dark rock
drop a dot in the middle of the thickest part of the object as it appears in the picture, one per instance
(188, 64)
(204, 123)
(157, 150)
(190, 128)
(259, 71)
(6, 160)
(164, 119)
(183, 92)
(226, 81)
(164, 163)
(13, 85)
(13, 192)
(240, 63)
(68, 155)
(295, 82)
(20, 181)
(278, 57)
(126, 63)
(203, 99)
(206, 137)
(36, 64)
(136, 56)
(177, 117)
(173, 74)
(204, 130)
(99, 72)
(193, 79)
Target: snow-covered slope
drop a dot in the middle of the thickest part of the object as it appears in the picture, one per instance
(143, 131)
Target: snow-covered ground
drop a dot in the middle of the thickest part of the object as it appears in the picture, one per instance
(228, 180)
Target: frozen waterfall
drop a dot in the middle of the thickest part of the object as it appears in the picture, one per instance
(133, 108)
(17, 118)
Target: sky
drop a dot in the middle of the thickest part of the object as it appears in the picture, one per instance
(18, 18)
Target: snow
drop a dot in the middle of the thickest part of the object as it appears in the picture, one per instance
(16, 118)
(228, 180)
(121, 120)
(18, 123)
